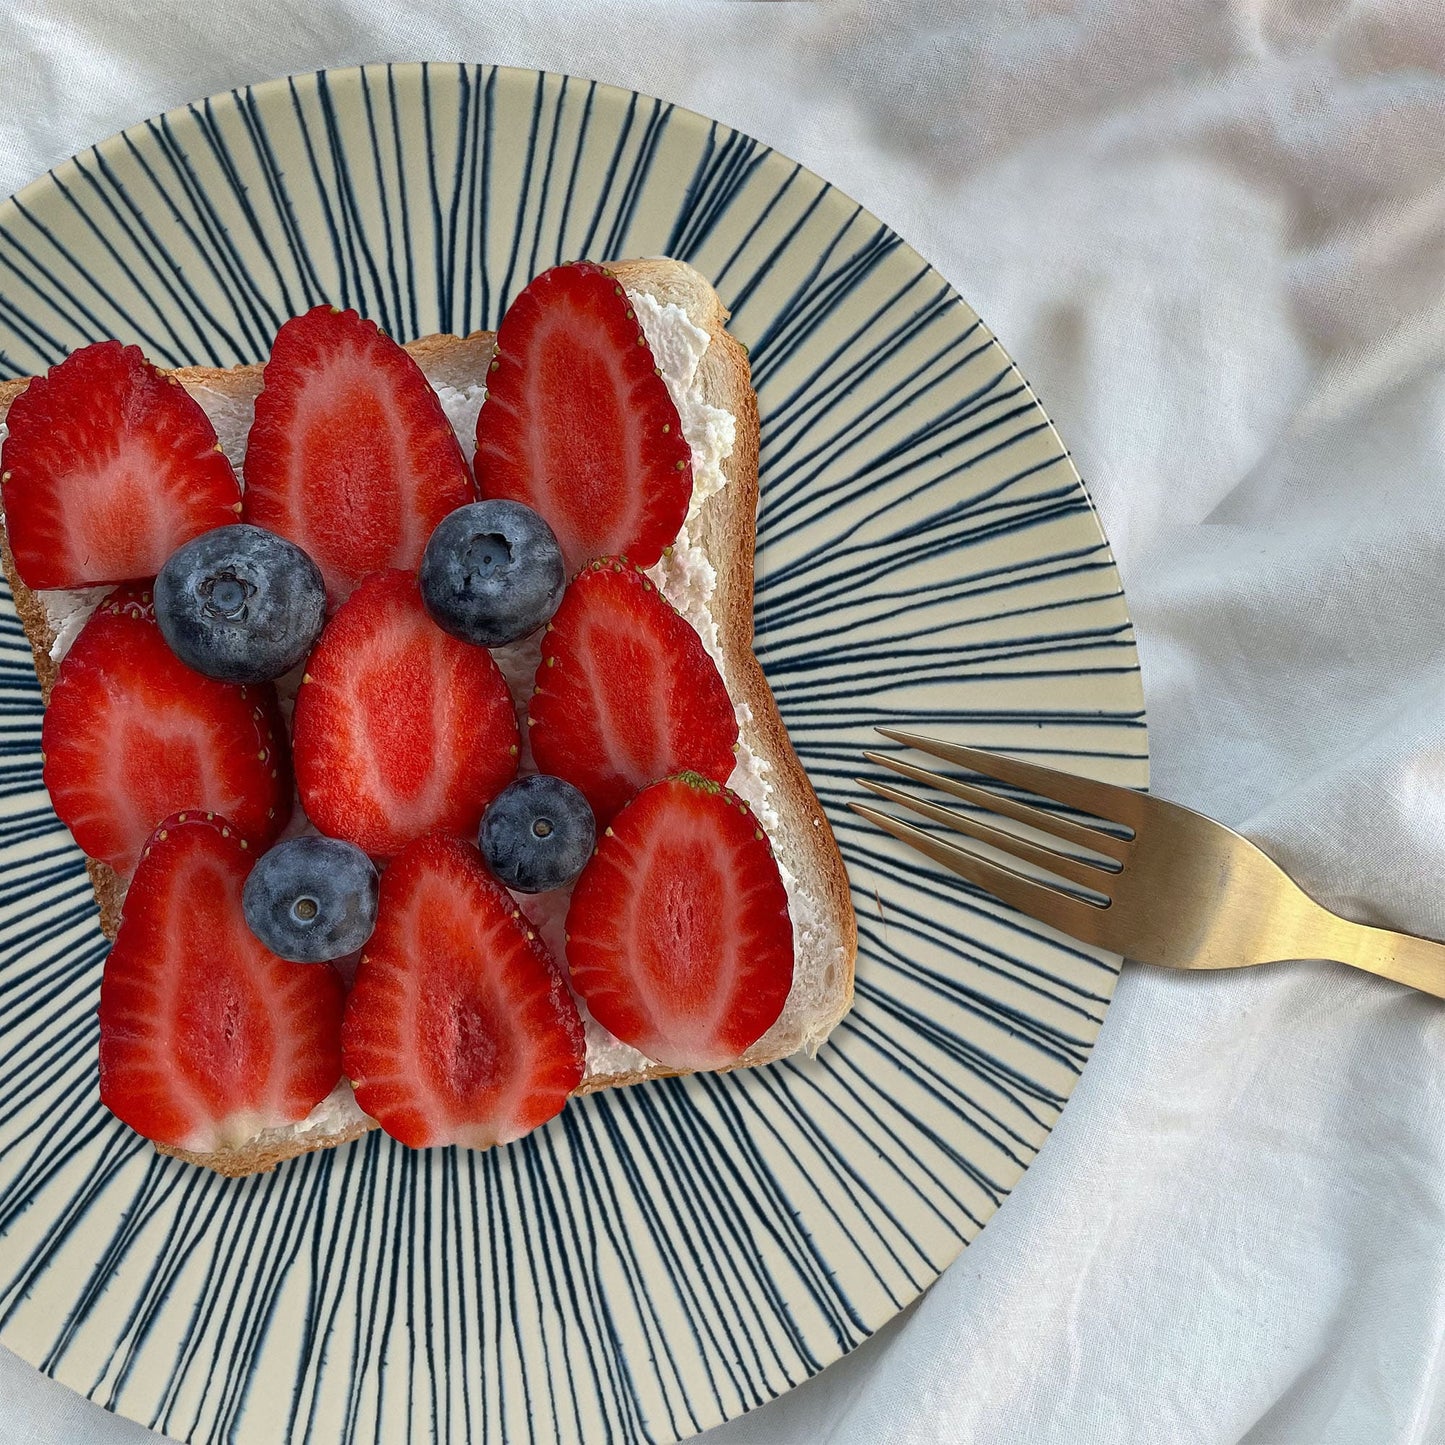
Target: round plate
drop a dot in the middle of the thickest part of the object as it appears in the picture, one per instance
(659, 1258)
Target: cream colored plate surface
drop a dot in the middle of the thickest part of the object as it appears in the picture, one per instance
(661, 1258)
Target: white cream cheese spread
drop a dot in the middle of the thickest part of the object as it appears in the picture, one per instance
(685, 577)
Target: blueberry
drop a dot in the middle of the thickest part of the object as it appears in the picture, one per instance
(492, 572)
(537, 833)
(240, 603)
(312, 899)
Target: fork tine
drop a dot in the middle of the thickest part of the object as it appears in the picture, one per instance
(1084, 921)
(986, 798)
(1086, 875)
(1103, 800)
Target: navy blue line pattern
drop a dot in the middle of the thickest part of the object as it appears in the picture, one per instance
(658, 1259)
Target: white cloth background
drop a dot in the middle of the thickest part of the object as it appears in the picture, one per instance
(1212, 233)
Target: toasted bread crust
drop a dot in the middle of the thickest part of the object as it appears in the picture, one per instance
(264, 1155)
(726, 529)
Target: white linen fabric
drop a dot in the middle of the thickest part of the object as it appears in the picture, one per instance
(1211, 235)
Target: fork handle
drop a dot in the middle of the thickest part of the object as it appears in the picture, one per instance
(1416, 962)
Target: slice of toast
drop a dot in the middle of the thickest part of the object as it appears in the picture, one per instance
(724, 531)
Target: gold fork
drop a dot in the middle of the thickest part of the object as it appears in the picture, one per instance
(1164, 885)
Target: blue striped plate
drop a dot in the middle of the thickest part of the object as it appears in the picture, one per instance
(660, 1258)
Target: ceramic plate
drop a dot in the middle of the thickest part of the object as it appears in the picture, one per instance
(660, 1258)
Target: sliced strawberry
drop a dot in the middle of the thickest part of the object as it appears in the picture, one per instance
(460, 1029)
(131, 734)
(399, 729)
(108, 467)
(206, 1037)
(678, 934)
(578, 423)
(350, 454)
(626, 693)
